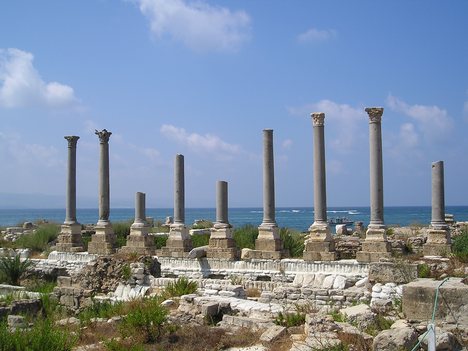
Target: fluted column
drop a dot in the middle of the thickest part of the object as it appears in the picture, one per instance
(376, 167)
(104, 186)
(438, 196)
(268, 180)
(70, 213)
(179, 190)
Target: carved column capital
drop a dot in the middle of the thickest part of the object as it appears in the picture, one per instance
(103, 135)
(375, 114)
(72, 140)
(318, 119)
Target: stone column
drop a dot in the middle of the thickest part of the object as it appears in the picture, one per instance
(221, 244)
(70, 239)
(438, 235)
(138, 241)
(103, 242)
(319, 245)
(375, 245)
(268, 244)
(179, 241)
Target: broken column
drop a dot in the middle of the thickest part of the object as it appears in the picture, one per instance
(138, 241)
(376, 245)
(103, 241)
(320, 245)
(438, 235)
(221, 244)
(69, 239)
(179, 241)
(268, 244)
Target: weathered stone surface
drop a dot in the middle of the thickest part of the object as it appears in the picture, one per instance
(452, 305)
(395, 339)
(389, 272)
(272, 334)
(198, 252)
(445, 341)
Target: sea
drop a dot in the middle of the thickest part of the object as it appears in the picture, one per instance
(298, 218)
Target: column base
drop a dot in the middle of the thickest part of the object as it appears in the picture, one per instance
(178, 244)
(430, 249)
(69, 239)
(320, 232)
(230, 254)
(103, 241)
(319, 250)
(248, 254)
(139, 242)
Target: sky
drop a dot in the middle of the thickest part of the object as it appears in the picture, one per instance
(204, 78)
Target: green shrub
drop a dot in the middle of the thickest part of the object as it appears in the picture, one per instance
(126, 272)
(378, 324)
(200, 240)
(12, 268)
(42, 336)
(424, 270)
(160, 241)
(245, 236)
(460, 246)
(182, 286)
(293, 241)
(290, 319)
(39, 240)
(338, 316)
(146, 319)
(121, 230)
(100, 309)
(115, 345)
(203, 224)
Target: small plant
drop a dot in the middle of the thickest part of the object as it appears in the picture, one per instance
(293, 241)
(424, 270)
(146, 319)
(245, 236)
(253, 292)
(100, 309)
(460, 246)
(160, 241)
(126, 272)
(236, 280)
(338, 316)
(182, 286)
(121, 230)
(378, 324)
(12, 269)
(290, 319)
(200, 240)
(116, 345)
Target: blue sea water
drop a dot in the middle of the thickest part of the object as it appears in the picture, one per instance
(299, 218)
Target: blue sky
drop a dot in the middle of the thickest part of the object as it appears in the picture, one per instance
(204, 78)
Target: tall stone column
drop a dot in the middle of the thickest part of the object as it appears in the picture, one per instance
(375, 245)
(268, 244)
(179, 241)
(70, 239)
(103, 242)
(438, 236)
(221, 244)
(138, 241)
(319, 245)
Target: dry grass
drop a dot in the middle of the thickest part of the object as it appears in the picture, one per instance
(253, 292)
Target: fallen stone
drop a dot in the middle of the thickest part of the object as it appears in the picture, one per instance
(395, 339)
(272, 334)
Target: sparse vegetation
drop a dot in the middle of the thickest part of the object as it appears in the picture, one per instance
(203, 224)
(40, 239)
(160, 241)
(293, 241)
(290, 319)
(424, 270)
(121, 230)
(200, 240)
(245, 236)
(460, 246)
(12, 269)
(182, 286)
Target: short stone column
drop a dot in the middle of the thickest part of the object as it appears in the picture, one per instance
(438, 236)
(69, 239)
(138, 241)
(268, 244)
(221, 244)
(179, 242)
(103, 241)
(319, 245)
(376, 245)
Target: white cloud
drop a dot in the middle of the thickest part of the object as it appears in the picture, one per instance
(343, 123)
(200, 143)
(315, 35)
(287, 143)
(197, 25)
(21, 85)
(434, 122)
(408, 135)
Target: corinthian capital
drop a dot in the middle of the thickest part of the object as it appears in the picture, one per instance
(103, 136)
(72, 140)
(318, 119)
(375, 114)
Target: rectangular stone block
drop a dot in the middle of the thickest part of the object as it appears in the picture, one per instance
(376, 246)
(319, 256)
(268, 244)
(223, 243)
(366, 256)
(226, 254)
(435, 236)
(433, 249)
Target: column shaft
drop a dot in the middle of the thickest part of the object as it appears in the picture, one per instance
(438, 195)
(140, 208)
(70, 216)
(222, 202)
(179, 190)
(320, 196)
(268, 179)
(376, 167)
(104, 186)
